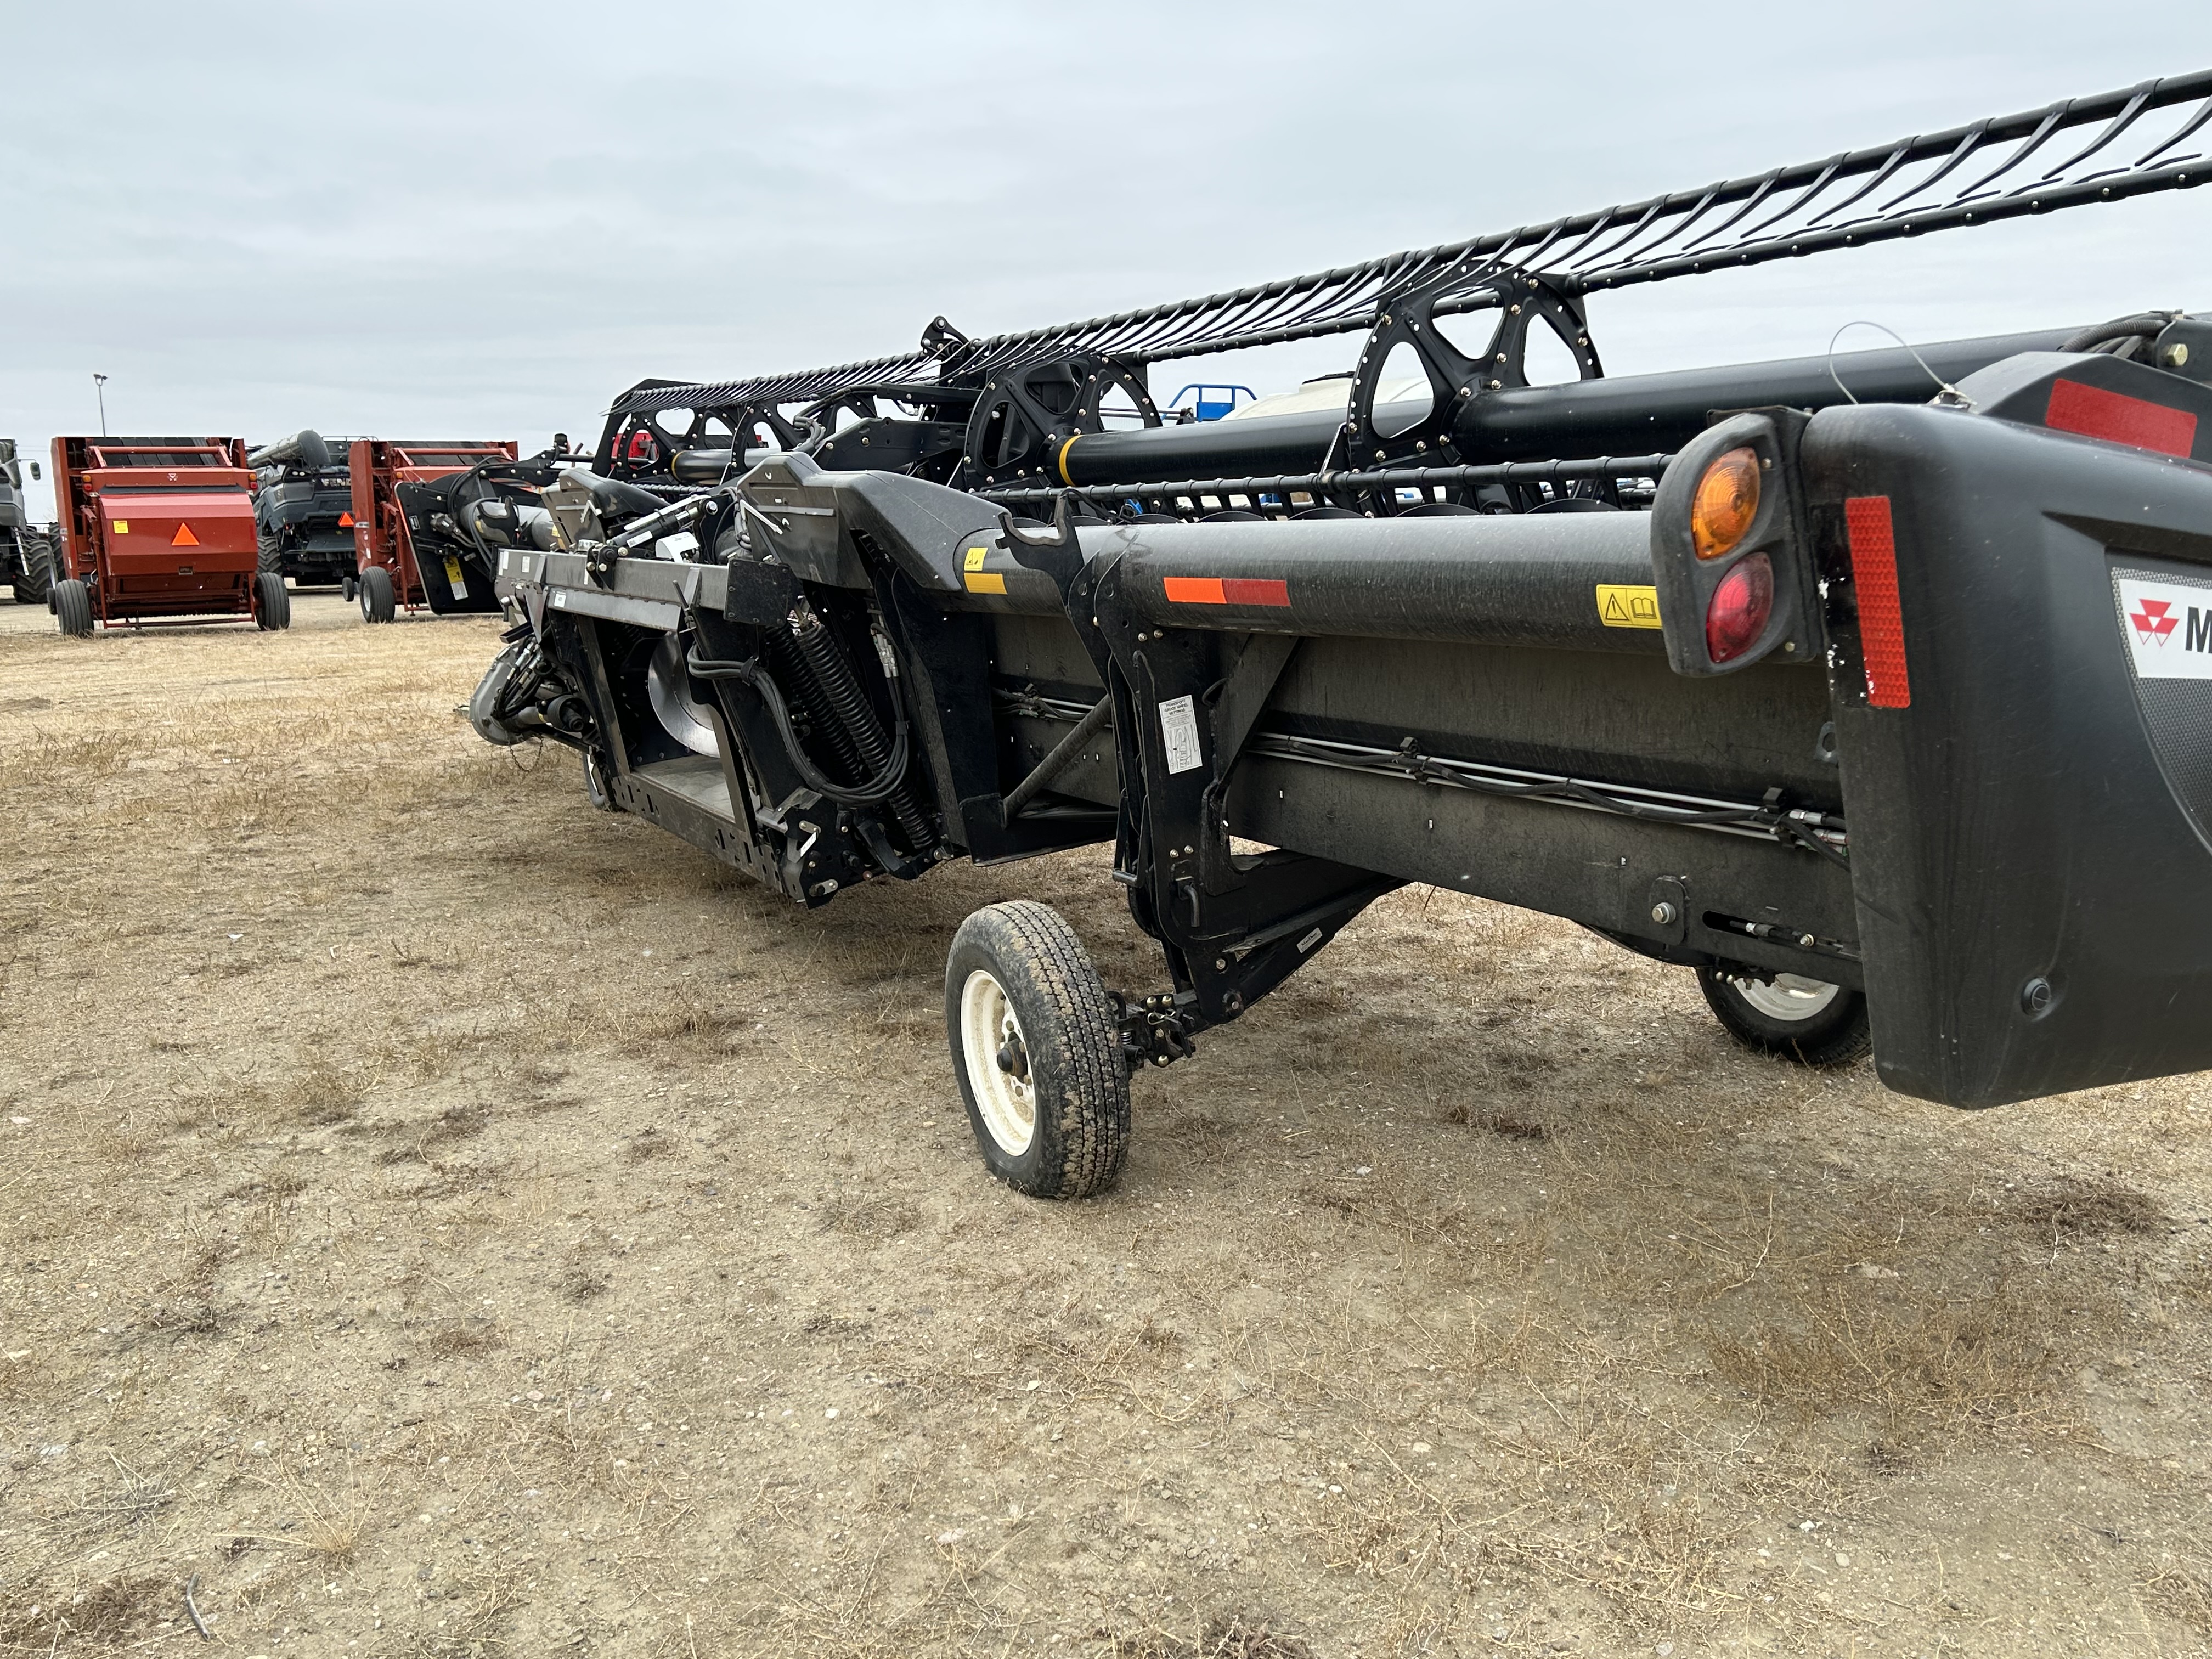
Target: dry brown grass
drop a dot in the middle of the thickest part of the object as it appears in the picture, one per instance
(492, 1227)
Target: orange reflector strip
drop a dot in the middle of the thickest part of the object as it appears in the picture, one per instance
(1194, 590)
(1873, 539)
(2093, 412)
(1263, 591)
(184, 538)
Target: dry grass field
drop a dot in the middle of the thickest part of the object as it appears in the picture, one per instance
(440, 1220)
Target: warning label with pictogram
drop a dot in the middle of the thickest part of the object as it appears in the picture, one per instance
(1619, 605)
(184, 538)
(2169, 627)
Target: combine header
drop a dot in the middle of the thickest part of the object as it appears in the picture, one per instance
(428, 516)
(1875, 691)
(159, 530)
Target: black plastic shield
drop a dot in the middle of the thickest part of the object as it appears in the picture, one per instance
(2035, 895)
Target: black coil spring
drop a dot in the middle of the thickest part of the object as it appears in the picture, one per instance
(847, 719)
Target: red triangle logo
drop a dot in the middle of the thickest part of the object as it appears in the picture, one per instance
(184, 538)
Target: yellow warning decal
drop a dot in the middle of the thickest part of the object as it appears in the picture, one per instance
(1619, 605)
(973, 559)
(123, 527)
(454, 578)
(981, 582)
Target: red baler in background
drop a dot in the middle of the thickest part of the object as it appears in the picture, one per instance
(158, 530)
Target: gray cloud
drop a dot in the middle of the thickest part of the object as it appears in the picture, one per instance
(485, 221)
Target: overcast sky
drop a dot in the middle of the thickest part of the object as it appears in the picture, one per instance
(482, 222)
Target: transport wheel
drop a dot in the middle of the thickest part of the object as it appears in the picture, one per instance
(37, 580)
(1803, 1019)
(599, 783)
(72, 602)
(275, 610)
(349, 587)
(270, 549)
(1038, 1052)
(378, 604)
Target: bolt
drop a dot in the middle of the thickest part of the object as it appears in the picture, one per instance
(1220, 964)
(2176, 355)
(1664, 912)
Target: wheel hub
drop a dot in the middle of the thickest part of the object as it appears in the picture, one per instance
(1791, 997)
(998, 1061)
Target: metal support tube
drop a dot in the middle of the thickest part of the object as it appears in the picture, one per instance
(1526, 579)
(1057, 761)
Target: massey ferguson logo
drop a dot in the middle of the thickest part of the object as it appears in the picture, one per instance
(2169, 627)
(2152, 621)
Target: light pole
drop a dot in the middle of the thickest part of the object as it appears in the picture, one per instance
(99, 386)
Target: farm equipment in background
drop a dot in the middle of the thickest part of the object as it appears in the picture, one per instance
(1211, 403)
(303, 510)
(1874, 689)
(159, 530)
(25, 549)
(428, 519)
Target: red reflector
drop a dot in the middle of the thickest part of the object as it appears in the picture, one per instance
(2093, 412)
(1244, 589)
(1741, 605)
(1228, 590)
(1881, 615)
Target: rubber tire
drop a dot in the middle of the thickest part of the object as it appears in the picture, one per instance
(37, 579)
(274, 610)
(73, 609)
(269, 551)
(1081, 1083)
(378, 603)
(599, 789)
(1837, 1036)
(350, 588)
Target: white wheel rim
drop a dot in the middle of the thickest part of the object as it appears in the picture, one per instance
(1791, 997)
(1007, 1103)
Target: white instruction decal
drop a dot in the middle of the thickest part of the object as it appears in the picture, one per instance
(1179, 731)
(2169, 627)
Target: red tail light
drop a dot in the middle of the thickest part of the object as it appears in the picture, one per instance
(1739, 610)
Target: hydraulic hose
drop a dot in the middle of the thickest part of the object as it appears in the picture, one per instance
(874, 791)
(851, 713)
(2144, 325)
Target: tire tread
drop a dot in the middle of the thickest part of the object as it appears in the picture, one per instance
(1838, 1035)
(1091, 1135)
